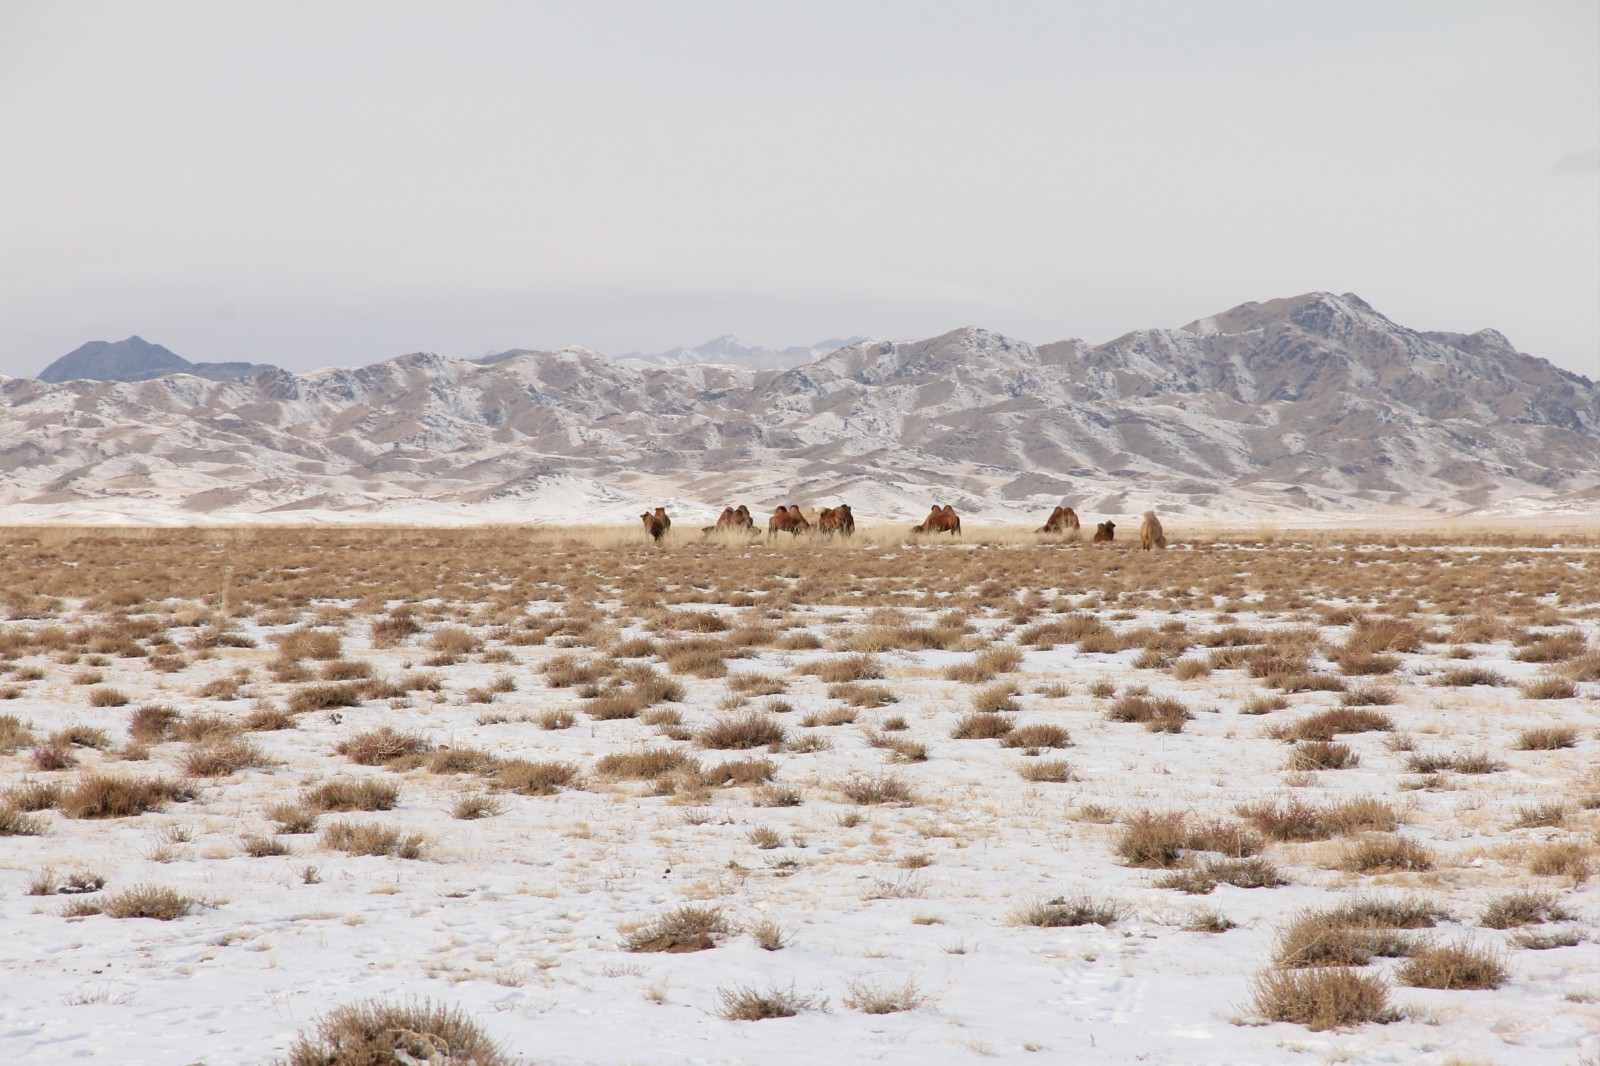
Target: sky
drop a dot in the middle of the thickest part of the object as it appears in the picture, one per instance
(314, 184)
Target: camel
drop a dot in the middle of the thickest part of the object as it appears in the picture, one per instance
(1062, 520)
(655, 524)
(836, 520)
(732, 520)
(787, 519)
(942, 519)
(1105, 533)
(1151, 534)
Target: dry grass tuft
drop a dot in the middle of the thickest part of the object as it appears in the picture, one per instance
(683, 930)
(1547, 738)
(381, 746)
(751, 730)
(1064, 913)
(367, 794)
(147, 901)
(741, 1004)
(373, 839)
(1296, 820)
(536, 778)
(1524, 908)
(1322, 999)
(375, 1033)
(108, 796)
(1152, 839)
(883, 999)
(1452, 966)
(1385, 854)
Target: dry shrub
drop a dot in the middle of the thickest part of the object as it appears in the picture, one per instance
(303, 643)
(373, 839)
(615, 706)
(645, 765)
(1152, 839)
(740, 772)
(1190, 669)
(13, 734)
(1541, 816)
(367, 794)
(205, 728)
(1264, 704)
(769, 935)
(1361, 665)
(1165, 715)
(1469, 677)
(858, 695)
(1547, 738)
(345, 670)
(1461, 763)
(1550, 688)
(395, 628)
(1062, 913)
(995, 698)
(476, 805)
(325, 696)
(756, 684)
(1321, 755)
(1037, 735)
(1383, 854)
(147, 901)
(1296, 820)
(1565, 859)
(1524, 908)
(53, 756)
(1328, 724)
(1369, 696)
(847, 668)
(260, 847)
(755, 1005)
(222, 758)
(1555, 648)
(1046, 771)
(1229, 838)
(533, 778)
(462, 761)
(873, 789)
(293, 818)
(1372, 635)
(1452, 966)
(883, 999)
(752, 730)
(383, 745)
(268, 719)
(107, 697)
(1322, 999)
(29, 796)
(698, 657)
(556, 719)
(679, 931)
(375, 1033)
(15, 823)
(107, 796)
(1240, 873)
(981, 726)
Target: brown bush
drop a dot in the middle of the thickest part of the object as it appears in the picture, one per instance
(373, 839)
(1153, 839)
(1524, 908)
(1165, 715)
(752, 730)
(754, 1005)
(303, 643)
(1321, 755)
(536, 778)
(1547, 738)
(977, 726)
(107, 796)
(147, 901)
(1322, 999)
(367, 794)
(870, 790)
(222, 758)
(1294, 819)
(1065, 913)
(645, 765)
(1382, 854)
(683, 930)
(1452, 966)
(325, 696)
(847, 668)
(1037, 735)
(375, 1033)
(383, 745)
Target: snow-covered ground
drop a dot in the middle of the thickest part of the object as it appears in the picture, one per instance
(519, 918)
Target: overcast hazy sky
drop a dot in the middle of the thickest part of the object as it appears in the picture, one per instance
(320, 183)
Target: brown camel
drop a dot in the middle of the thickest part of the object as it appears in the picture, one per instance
(654, 524)
(836, 520)
(732, 520)
(1151, 535)
(1063, 520)
(1105, 533)
(942, 519)
(787, 519)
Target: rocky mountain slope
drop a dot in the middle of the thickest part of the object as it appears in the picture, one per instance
(136, 359)
(1313, 403)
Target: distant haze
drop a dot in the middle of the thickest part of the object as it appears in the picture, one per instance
(309, 185)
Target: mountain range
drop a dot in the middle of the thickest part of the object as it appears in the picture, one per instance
(136, 359)
(1314, 403)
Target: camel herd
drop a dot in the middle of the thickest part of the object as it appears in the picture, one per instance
(838, 521)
